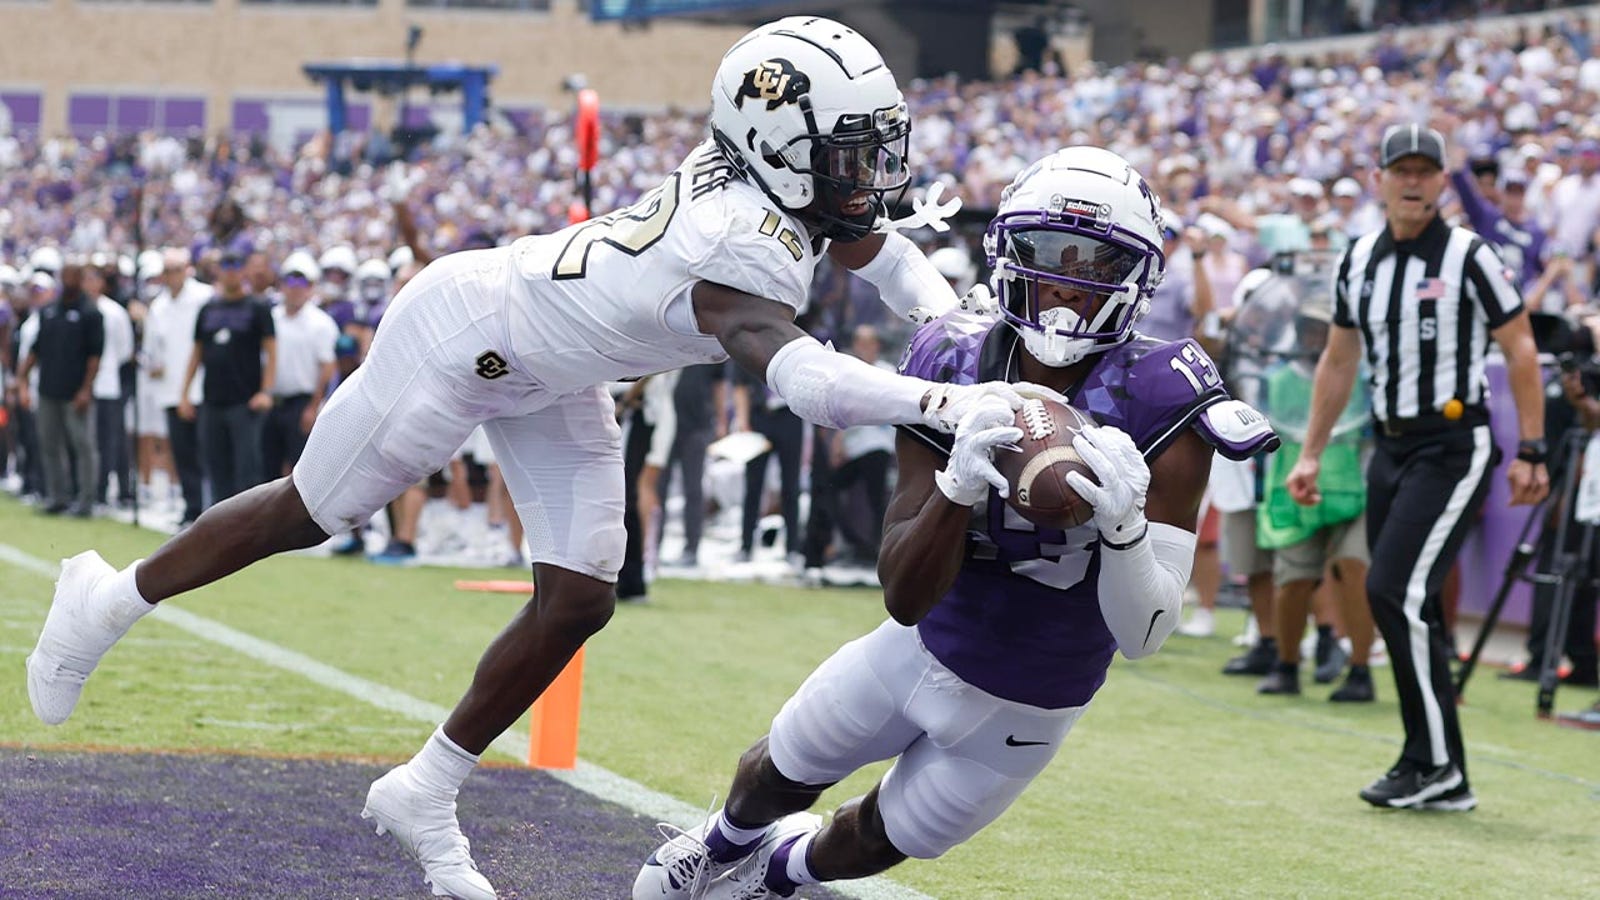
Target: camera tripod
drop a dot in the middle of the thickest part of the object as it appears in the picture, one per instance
(1568, 569)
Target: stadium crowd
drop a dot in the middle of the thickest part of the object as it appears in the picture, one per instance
(1252, 156)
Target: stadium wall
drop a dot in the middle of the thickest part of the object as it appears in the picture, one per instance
(62, 51)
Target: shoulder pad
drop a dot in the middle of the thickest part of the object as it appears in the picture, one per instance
(1151, 389)
(947, 349)
(1234, 429)
(752, 246)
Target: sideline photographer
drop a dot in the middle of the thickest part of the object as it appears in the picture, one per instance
(1572, 401)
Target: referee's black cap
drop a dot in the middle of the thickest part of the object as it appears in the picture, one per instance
(1400, 141)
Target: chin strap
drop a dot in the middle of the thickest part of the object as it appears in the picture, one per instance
(926, 211)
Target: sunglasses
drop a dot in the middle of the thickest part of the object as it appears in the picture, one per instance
(231, 262)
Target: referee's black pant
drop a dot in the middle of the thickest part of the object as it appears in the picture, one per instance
(1423, 494)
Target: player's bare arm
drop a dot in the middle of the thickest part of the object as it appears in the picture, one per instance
(923, 536)
(1178, 480)
(855, 254)
(752, 329)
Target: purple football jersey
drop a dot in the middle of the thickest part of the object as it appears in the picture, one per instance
(1022, 620)
(343, 312)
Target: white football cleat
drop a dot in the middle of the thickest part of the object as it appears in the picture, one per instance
(77, 633)
(427, 829)
(681, 868)
(748, 880)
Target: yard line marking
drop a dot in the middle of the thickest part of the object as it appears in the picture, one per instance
(599, 782)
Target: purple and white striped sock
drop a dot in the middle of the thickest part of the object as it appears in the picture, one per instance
(727, 840)
(790, 865)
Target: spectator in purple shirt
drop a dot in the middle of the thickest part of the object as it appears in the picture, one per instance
(1503, 220)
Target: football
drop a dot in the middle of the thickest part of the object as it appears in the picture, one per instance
(1037, 471)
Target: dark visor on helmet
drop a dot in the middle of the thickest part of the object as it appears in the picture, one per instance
(1072, 257)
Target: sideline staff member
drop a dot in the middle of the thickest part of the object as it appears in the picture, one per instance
(1422, 299)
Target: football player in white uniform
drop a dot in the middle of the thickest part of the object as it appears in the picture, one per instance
(809, 135)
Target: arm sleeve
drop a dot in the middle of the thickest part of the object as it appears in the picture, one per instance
(905, 279)
(836, 391)
(1141, 588)
(1490, 286)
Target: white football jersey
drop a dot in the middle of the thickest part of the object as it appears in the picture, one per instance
(608, 298)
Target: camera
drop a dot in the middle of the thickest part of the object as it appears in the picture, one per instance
(1587, 366)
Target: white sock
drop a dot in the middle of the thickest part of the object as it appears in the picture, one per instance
(441, 765)
(797, 869)
(124, 604)
(734, 833)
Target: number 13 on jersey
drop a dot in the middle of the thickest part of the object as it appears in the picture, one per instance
(1196, 368)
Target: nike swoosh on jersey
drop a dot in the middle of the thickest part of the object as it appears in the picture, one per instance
(1011, 741)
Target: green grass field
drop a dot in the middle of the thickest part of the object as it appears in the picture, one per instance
(1179, 782)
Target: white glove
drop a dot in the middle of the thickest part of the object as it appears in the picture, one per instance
(980, 300)
(948, 404)
(925, 211)
(1119, 498)
(970, 471)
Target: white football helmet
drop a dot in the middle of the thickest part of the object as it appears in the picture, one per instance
(808, 110)
(338, 258)
(372, 281)
(1080, 219)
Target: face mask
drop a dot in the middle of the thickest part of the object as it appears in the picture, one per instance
(1052, 347)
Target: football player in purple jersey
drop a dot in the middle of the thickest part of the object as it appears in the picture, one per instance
(1000, 631)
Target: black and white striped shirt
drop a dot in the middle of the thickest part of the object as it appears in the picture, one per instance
(1425, 308)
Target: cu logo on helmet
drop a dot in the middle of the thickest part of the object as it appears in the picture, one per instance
(776, 81)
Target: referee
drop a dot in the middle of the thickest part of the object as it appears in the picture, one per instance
(1421, 300)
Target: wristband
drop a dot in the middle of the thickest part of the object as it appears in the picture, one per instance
(1130, 544)
(1533, 451)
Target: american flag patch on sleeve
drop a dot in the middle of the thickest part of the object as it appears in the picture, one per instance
(1431, 289)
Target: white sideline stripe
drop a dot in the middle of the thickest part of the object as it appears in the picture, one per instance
(598, 782)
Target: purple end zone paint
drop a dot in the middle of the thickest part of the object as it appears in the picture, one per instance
(91, 826)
